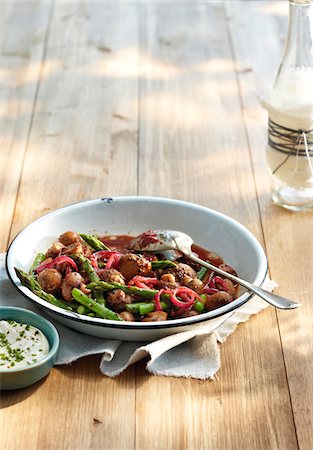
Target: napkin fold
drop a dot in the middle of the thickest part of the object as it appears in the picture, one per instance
(190, 354)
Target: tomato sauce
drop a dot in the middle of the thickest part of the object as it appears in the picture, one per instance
(118, 243)
(121, 242)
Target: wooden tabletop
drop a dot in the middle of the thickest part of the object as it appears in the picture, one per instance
(156, 98)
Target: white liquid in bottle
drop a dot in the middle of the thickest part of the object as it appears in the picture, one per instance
(290, 108)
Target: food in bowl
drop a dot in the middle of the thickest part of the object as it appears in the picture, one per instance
(130, 216)
(103, 277)
(29, 346)
(21, 344)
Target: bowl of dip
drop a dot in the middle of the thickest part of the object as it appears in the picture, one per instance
(28, 347)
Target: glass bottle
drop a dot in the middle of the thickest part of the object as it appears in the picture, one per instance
(290, 108)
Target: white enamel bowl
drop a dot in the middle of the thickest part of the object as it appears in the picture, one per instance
(134, 215)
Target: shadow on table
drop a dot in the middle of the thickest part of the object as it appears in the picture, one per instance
(87, 368)
(10, 398)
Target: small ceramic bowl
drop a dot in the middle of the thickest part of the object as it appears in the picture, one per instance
(26, 376)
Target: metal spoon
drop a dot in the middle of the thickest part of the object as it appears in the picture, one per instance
(160, 240)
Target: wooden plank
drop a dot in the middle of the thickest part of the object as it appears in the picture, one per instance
(83, 144)
(190, 97)
(193, 146)
(75, 406)
(289, 248)
(23, 29)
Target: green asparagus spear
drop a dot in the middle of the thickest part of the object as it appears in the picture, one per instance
(38, 260)
(164, 264)
(94, 242)
(93, 305)
(81, 309)
(98, 295)
(198, 306)
(202, 273)
(144, 308)
(148, 294)
(145, 293)
(30, 282)
(133, 308)
(85, 264)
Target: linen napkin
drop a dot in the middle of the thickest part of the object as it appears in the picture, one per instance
(190, 354)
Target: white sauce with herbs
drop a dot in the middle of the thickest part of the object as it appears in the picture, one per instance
(21, 345)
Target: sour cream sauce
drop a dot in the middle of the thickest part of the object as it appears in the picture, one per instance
(21, 345)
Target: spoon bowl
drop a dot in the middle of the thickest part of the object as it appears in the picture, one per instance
(162, 240)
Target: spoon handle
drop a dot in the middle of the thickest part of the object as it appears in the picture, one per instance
(269, 297)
